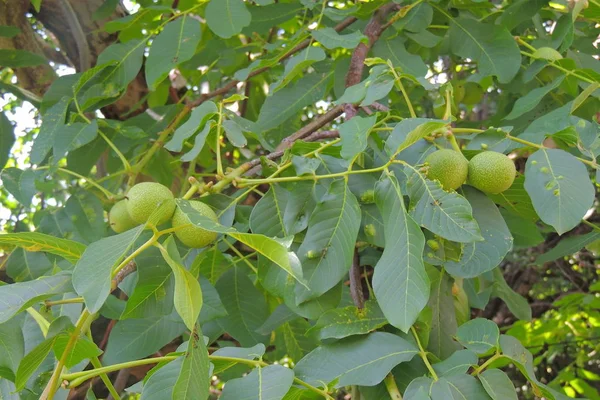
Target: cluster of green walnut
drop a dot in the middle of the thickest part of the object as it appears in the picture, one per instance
(144, 198)
(489, 171)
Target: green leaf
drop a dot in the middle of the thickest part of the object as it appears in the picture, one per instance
(331, 39)
(13, 58)
(567, 247)
(444, 213)
(16, 297)
(195, 122)
(498, 385)
(161, 383)
(227, 17)
(212, 307)
(7, 139)
(479, 335)
(198, 142)
(297, 64)
(400, 282)
(175, 44)
(354, 134)
(417, 19)
(393, 49)
(342, 322)
(268, 214)
(73, 137)
(270, 248)
(419, 388)
(284, 104)
(516, 303)
(443, 321)
(84, 348)
(19, 183)
(525, 233)
(92, 273)
(9, 31)
(25, 265)
(514, 350)
(264, 18)
(492, 46)
(12, 346)
(409, 131)
(516, 200)
(328, 247)
(34, 241)
(480, 257)
(457, 364)
(133, 339)
(246, 307)
(359, 360)
(32, 360)
(211, 264)
(234, 133)
(188, 294)
(250, 353)
(128, 56)
(458, 387)
(268, 383)
(194, 380)
(546, 53)
(294, 339)
(560, 188)
(532, 99)
(52, 124)
(280, 316)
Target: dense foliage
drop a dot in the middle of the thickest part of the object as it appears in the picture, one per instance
(328, 259)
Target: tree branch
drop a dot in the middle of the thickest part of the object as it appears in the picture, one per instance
(356, 290)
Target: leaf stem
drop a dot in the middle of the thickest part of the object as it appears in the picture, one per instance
(96, 364)
(39, 318)
(490, 360)
(114, 148)
(74, 300)
(218, 142)
(392, 388)
(400, 86)
(242, 258)
(109, 195)
(467, 130)
(423, 354)
(136, 253)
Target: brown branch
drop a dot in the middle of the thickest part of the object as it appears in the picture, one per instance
(356, 289)
(233, 83)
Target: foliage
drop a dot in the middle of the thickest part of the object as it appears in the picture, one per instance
(339, 267)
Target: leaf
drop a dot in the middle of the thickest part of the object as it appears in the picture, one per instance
(516, 303)
(197, 119)
(19, 183)
(443, 321)
(479, 335)
(267, 216)
(285, 103)
(560, 188)
(295, 339)
(417, 19)
(34, 241)
(12, 346)
(532, 99)
(393, 49)
(516, 200)
(327, 250)
(212, 307)
(359, 360)
(161, 383)
(9, 31)
(268, 383)
(188, 294)
(458, 387)
(498, 385)
(250, 353)
(354, 134)
(546, 53)
(73, 137)
(409, 131)
(400, 282)
(16, 297)
(32, 360)
(175, 44)
(246, 307)
(25, 265)
(278, 317)
(480, 257)
(298, 63)
(234, 133)
(52, 123)
(198, 142)
(444, 213)
(567, 247)
(211, 264)
(270, 248)
(264, 18)
(7, 139)
(343, 322)
(457, 364)
(129, 57)
(514, 350)
(84, 348)
(133, 339)
(13, 58)
(194, 380)
(492, 46)
(331, 39)
(92, 273)
(227, 18)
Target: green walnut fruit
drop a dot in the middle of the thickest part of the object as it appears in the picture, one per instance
(119, 218)
(491, 172)
(144, 198)
(449, 167)
(194, 236)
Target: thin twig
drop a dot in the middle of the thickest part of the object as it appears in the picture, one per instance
(356, 289)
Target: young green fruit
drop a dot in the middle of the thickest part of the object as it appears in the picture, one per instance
(145, 197)
(447, 166)
(491, 172)
(119, 218)
(194, 236)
